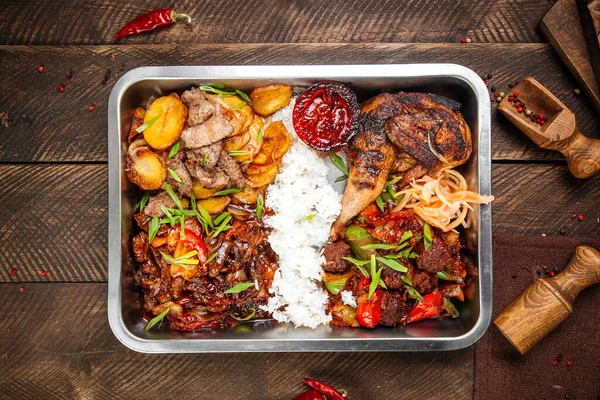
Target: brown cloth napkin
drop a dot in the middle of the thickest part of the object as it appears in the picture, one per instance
(500, 370)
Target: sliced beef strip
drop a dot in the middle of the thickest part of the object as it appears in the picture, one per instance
(153, 208)
(200, 111)
(334, 254)
(213, 130)
(196, 157)
(185, 186)
(232, 169)
(444, 250)
(140, 247)
(393, 308)
(213, 179)
(423, 281)
(192, 96)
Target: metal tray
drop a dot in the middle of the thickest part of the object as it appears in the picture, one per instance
(454, 81)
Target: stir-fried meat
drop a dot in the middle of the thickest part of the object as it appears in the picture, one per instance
(334, 253)
(184, 187)
(192, 96)
(423, 281)
(140, 247)
(232, 169)
(213, 130)
(392, 278)
(444, 250)
(153, 208)
(199, 318)
(197, 157)
(393, 308)
(212, 179)
(200, 111)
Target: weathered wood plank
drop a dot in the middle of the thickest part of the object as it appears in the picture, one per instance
(282, 21)
(45, 125)
(62, 347)
(54, 217)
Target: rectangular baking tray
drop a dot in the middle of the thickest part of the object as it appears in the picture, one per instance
(124, 300)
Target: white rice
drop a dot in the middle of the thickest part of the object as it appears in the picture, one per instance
(305, 205)
(348, 298)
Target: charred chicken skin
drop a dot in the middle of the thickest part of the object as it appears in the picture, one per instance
(424, 132)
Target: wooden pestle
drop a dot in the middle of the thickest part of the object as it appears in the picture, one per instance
(548, 302)
(559, 133)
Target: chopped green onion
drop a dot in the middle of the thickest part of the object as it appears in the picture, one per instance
(336, 286)
(193, 201)
(238, 107)
(379, 202)
(393, 264)
(391, 191)
(145, 125)
(340, 178)
(380, 246)
(244, 96)
(310, 217)
(259, 206)
(174, 150)
(182, 223)
(205, 215)
(205, 159)
(382, 284)
(413, 293)
(142, 202)
(157, 319)
(174, 175)
(211, 258)
(216, 89)
(450, 308)
(168, 214)
(406, 280)
(375, 276)
(407, 235)
(222, 227)
(259, 136)
(240, 287)
(220, 218)
(395, 180)
(184, 259)
(337, 160)
(427, 234)
(153, 228)
(235, 153)
(447, 277)
(356, 262)
(364, 271)
(246, 318)
(172, 194)
(226, 192)
(361, 220)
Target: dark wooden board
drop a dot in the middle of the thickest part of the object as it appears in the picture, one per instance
(56, 344)
(48, 126)
(263, 21)
(562, 28)
(54, 217)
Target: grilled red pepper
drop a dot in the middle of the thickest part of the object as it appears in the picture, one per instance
(150, 21)
(368, 314)
(324, 388)
(430, 307)
(310, 395)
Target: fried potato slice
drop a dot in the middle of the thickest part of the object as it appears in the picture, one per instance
(200, 192)
(249, 194)
(268, 99)
(252, 147)
(215, 205)
(169, 115)
(276, 143)
(261, 175)
(239, 114)
(145, 169)
(236, 142)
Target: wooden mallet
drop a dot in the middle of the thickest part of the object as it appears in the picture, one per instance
(559, 133)
(545, 304)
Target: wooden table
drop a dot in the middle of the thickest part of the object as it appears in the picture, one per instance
(55, 341)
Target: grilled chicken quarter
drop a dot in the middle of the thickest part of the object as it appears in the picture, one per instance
(410, 133)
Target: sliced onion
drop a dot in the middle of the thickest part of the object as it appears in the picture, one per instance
(438, 155)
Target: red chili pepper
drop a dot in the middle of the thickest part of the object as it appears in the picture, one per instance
(310, 395)
(430, 307)
(369, 314)
(150, 21)
(324, 388)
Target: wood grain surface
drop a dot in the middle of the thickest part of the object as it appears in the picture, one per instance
(61, 347)
(45, 125)
(267, 21)
(55, 216)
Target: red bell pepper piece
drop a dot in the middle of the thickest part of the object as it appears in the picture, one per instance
(368, 314)
(430, 307)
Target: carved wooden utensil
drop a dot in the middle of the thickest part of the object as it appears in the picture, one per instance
(559, 133)
(548, 302)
